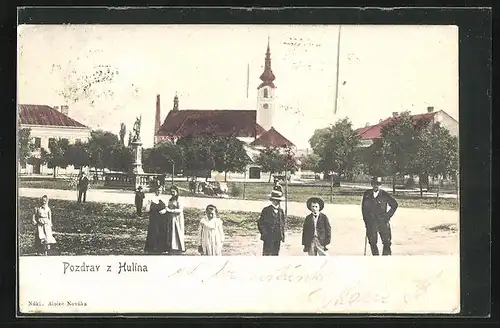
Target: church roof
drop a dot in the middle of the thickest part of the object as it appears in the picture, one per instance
(45, 115)
(272, 138)
(216, 122)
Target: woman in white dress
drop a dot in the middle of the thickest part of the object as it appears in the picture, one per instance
(211, 233)
(42, 220)
(175, 228)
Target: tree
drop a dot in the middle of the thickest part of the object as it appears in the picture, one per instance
(100, 146)
(198, 156)
(437, 154)
(270, 160)
(400, 143)
(123, 132)
(164, 157)
(121, 158)
(57, 155)
(289, 161)
(229, 155)
(78, 155)
(336, 147)
(25, 145)
(310, 162)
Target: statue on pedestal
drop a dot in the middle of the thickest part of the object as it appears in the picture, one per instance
(137, 130)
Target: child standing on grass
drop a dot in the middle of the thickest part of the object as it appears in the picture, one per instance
(211, 233)
(42, 220)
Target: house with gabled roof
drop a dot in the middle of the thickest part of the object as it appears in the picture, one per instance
(47, 123)
(369, 132)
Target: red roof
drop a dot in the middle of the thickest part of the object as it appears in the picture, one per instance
(272, 138)
(375, 131)
(45, 115)
(239, 123)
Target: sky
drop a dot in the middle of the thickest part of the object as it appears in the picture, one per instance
(382, 69)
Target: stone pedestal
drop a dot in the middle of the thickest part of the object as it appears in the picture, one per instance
(137, 151)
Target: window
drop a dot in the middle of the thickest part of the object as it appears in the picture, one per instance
(78, 140)
(38, 142)
(51, 141)
(265, 106)
(65, 140)
(23, 165)
(266, 95)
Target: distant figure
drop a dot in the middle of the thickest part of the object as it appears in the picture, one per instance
(139, 199)
(271, 225)
(376, 216)
(83, 184)
(42, 220)
(156, 239)
(277, 185)
(211, 233)
(192, 185)
(175, 224)
(316, 232)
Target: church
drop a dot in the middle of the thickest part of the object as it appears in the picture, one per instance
(255, 127)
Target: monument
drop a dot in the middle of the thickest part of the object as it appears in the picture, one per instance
(137, 177)
(136, 145)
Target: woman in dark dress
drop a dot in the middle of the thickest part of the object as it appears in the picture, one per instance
(156, 240)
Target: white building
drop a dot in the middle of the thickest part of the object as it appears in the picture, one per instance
(47, 123)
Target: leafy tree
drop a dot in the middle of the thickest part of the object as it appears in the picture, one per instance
(374, 159)
(25, 145)
(57, 156)
(289, 161)
(310, 162)
(164, 157)
(437, 154)
(121, 158)
(100, 146)
(77, 155)
(123, 132)
(271, 161)
(400, 142)
(229, 155)
(198, 154)
(336, 147)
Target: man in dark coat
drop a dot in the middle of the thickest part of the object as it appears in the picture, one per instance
(83, 184)
(317, 232)
(139, 200)
(376, 216)
(271, 225)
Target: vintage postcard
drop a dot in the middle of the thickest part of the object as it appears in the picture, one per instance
(238, 169)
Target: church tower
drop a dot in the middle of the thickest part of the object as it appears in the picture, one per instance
(266, 94)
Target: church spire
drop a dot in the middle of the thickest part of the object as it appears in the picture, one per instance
(267, 76)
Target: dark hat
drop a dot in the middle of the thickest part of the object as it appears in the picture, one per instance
(139, 188)
(276, 195)
(316, 200)
(211, 206)
(376, 180)
(174, 188)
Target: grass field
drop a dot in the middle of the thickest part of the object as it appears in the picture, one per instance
(113, 229)
(260, 191)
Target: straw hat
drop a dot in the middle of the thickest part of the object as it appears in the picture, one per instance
(276, 195)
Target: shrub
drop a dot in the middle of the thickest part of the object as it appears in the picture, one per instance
(235, 190)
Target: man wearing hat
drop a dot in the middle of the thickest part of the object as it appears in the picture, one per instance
(271, 225)
(376, 216)
(317, 232)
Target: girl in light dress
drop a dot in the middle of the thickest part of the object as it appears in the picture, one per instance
(175, 224)
(211, 233)
(42, 220)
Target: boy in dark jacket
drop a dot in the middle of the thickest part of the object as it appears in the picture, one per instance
(317, 232)
(139, 199)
